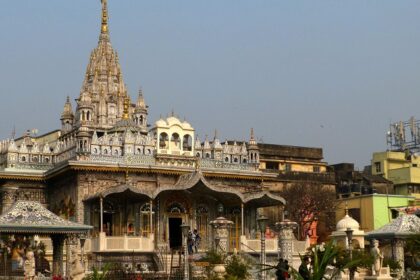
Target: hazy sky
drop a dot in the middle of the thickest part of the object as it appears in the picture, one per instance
(328, 74)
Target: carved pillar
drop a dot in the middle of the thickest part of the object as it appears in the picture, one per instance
(101, 209)
(285, 239)
(221, 228)
(242, 220)
(151, 217)
(58, 243)
(398, 254)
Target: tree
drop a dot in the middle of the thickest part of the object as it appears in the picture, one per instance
(309, 202)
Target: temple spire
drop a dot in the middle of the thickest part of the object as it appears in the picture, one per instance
(104, 26)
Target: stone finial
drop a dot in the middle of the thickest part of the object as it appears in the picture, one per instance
(140, 100)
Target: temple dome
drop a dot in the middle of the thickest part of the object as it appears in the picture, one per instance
(347, 222)
(160, 123)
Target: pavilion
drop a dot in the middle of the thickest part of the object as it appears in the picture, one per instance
(32, 218)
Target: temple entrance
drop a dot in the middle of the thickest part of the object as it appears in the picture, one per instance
(175, 233)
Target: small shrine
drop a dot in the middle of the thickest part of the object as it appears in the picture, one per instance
(340, 236)
(25, 219)
(395, 233)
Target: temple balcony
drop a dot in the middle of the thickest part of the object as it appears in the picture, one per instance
(124, 243)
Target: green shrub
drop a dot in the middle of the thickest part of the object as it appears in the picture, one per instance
(236, 268)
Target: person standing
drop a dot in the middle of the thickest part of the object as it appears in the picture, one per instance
(197, 240)
(280, 270)
(286, 270)
(190, 242)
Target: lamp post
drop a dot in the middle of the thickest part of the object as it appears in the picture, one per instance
(349, 233)
(262, 223)
(185, 229)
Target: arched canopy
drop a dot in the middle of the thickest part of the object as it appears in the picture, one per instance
(263, 199)
(196, 183)
(125, 192)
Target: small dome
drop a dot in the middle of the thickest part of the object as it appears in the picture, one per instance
(160, 123)
(173, 120)
(186, 125)
(347, 222)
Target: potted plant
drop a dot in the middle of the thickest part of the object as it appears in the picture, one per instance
(217, 261)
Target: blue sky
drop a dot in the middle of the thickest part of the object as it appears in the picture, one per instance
(328, 74)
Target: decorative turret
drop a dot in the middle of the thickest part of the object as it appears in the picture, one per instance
(67, 117)
(217, 147)
(253, 150)
(206, 148)
(140, 113)
(198, 147)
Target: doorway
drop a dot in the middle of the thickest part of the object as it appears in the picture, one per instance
(175, 233)
(108, 223)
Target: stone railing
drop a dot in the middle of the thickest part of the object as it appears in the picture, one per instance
(124, 243)
(218, 164)
(254, 245)
(125, 160)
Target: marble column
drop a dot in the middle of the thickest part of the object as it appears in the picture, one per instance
(398, 253)
(285, 239)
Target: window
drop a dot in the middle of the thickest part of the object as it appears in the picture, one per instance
(272, 165)
(187, 143)
(377, 167)
(163, 140)
(316, 169)
(176, 141)
(226, 159)
(288, 167)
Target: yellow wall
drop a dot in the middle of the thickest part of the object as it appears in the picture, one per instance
(296, 166)
(375, 209)
(396, 168)
(365, 204)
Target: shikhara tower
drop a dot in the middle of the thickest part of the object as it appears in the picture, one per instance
(103, 94)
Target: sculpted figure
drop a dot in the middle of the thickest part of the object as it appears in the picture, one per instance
(77, 272)
(377, 258)
(29, 266)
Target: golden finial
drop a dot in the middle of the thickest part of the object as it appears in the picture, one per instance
(126, 104)
(104, 28)
(346, 209)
